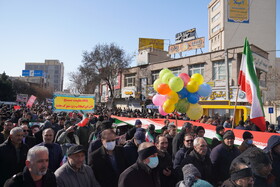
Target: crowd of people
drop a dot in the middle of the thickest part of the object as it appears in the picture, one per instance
(41, 148)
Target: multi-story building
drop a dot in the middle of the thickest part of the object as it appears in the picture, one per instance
(53, 73)
(231, 21)
(260, 29)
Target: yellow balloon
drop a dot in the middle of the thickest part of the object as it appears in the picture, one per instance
(194, 111)
(163, 71)
(156, 83)
(173, 97)
(198, 78)
(168, 106)
(192, 86)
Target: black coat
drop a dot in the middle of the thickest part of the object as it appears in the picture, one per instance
(179, 156)
(139, 175)
(24, 179)
(221, 158)
(9, 164)
(103, 169)
(165, 162)
(30, 141)
(131, 154)
(55, 155)
(204, 165)
(177, 142)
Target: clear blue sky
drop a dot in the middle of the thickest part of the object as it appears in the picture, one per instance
(32, 30)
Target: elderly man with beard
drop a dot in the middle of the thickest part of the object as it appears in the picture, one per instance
(166, 173)
(36, 172)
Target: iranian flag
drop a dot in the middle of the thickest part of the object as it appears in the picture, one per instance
(249, 83)
(149, 137)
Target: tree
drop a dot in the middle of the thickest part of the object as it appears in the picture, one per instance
(6, 93)
(103, 63)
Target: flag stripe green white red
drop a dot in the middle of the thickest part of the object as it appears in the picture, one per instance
(249, 83)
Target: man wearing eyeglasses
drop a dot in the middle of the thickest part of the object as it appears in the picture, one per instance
(28, 140)
(187, 148)
(108, 162)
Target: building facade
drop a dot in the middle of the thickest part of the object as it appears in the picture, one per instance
(53, 73)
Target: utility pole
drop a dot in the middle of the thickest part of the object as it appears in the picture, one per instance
(227, 74)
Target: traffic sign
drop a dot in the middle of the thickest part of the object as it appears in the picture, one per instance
(270, 110)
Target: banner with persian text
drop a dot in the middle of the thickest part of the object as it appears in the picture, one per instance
(69, 103)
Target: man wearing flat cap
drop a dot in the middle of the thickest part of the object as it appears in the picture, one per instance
(74, 173)
(222, 156)
(144, 172)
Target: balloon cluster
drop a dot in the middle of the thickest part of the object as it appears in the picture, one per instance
(180, 93)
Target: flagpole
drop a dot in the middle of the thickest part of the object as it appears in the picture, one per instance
(234, 111)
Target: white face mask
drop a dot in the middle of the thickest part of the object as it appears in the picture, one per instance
(110, 146)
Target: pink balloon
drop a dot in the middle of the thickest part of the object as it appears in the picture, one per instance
(158, 99)
(160, 110)
(185, 77)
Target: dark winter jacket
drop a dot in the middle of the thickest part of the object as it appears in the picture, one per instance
(130, 151)
(103, 169)
(165, 162)
(178, 142)
(203, 165)
(274, 157)
(221, 158)
(139, 175)
(9, 163)
(179, 156)
(24, 179)
(55, 155)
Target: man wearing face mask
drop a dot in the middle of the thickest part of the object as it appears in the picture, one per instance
(144, 172)
(248, 141)
(108, 162)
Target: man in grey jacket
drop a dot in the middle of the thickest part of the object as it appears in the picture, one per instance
(74, 173)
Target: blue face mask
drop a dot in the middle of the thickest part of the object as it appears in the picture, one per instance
(250, 142)
(153, 162)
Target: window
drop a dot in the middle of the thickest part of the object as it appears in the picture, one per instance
(219, 70)
(216, 28)
(176, 71)
(216, 6)
(217, 16)
(155, 75)
(196, 68)
(129, 80)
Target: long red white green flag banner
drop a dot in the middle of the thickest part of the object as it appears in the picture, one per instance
(260, 138)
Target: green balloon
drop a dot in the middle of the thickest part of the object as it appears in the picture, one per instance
(176, 84)
(163, 71)
(166, 77)
(182, 105)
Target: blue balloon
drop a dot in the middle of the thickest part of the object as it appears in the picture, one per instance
(204, 90)
(193, 98)
(183, 93)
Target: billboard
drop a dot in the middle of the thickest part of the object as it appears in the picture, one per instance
(151, 43)
(32, 73)
(185, 36)
(238, 11)
(186, 46)
(22, 98)
(69, 103)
